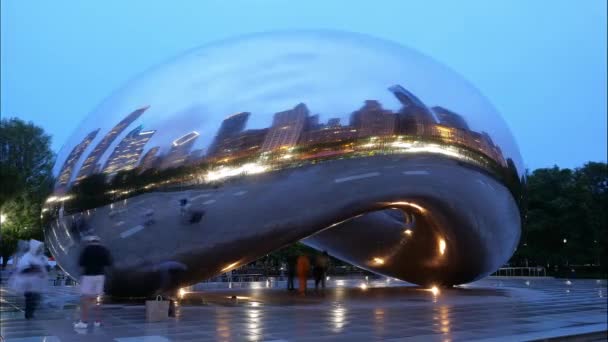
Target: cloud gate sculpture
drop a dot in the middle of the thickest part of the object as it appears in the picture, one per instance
(350, 144)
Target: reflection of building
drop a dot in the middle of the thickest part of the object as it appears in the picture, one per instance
(373, 120)
(448, 134)
(448, 118)
(328, 134)
(231, 126)
(65, 174)
(150, 159)
(89, 165)
(312, 123)
(494, 151)
(248, 142)
(195, 156)
(481, 143)
(286, 128)
(414, 116)
(126, 155)
(180, 149)
(333, 122)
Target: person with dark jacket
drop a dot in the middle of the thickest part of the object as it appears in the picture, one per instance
(321, 266)
(94, 259)
(292, 260)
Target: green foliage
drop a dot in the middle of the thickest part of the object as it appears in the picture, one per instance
(26, 162)
(565, 204)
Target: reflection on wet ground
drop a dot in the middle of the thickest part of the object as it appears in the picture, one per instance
(494, 308)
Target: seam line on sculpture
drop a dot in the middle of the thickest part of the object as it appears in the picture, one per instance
(356, 177)
(199, 196)
(417, 172)
(131, 231)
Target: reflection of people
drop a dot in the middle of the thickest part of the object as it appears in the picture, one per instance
(22, 247)
(170, 275)
(31, 276)
(79, 227)
(303, 267)
(94, 259)
(320, 269)
(291, 271)
(184, 206)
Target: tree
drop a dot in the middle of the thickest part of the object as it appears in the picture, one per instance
(566, 221)
(26, 162)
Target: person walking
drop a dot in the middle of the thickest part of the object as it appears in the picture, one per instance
(94, 259)
(303, 267)
(31, 276)
(292, 260)
(320, 270)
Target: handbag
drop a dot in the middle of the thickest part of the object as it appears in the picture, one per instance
(157, 310)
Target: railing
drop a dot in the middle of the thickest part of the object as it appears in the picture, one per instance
(520, 272)
(237, 278)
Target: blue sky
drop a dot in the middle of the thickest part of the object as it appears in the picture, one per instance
(542, 64)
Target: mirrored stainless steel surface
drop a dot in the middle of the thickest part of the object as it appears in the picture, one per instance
(355, 145)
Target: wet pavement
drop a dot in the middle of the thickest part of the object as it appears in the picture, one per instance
(509, 309)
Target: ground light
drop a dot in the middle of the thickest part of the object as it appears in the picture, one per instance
(442, 246)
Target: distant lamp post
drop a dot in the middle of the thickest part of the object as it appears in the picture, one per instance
(565, 252)
(2, 218)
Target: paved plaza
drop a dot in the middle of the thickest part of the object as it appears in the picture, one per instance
(493, 309)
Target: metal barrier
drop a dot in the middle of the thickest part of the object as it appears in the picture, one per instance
(520, 272)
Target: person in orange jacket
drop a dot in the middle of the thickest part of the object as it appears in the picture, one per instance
(303, 268)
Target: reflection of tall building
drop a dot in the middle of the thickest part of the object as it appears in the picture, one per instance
(126, 155)
(447, 134)
(231, 126)
(245, 143)
(414, 116)
(328, 134)
(482, 143)
(448, 118)
(195, 156)
(180, 148)
(65, 174)
(373, 120)
(149, 160)
(88, 167)
(333, 122)
(493, 150)
(286, 128)
(312, 123)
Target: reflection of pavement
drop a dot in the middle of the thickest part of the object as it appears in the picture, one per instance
(491, 309)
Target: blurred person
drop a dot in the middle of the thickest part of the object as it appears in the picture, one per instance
(292, 260)
(171, 274)
(22, 247)
(94, 259)
(303, 268)
(31, 276)
(320, 270)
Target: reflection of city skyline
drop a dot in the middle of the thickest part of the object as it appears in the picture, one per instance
(291, 129)
(65, 174)
(126, 155)
(90, 164)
